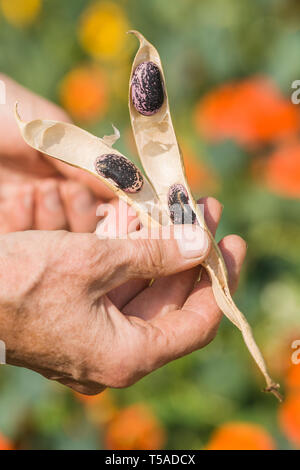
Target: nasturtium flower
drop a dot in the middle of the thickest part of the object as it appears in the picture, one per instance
(135, 428)
(20, 12)
(289, 417)
(102, 30)
(84, 93)
(241, 436)
(282, 171)
(201, 178)
(292, 379)
(251, 112)
(5, 443)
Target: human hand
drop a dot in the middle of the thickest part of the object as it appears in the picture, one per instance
(79, 310)
(36, 191)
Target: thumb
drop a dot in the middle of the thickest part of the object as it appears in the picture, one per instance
(162, 252)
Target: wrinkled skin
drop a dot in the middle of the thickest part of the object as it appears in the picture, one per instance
(79, 310)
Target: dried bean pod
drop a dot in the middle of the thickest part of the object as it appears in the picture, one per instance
(179, 206)
(155, 137)
(147, 90)
(122, 172)
(77, 147)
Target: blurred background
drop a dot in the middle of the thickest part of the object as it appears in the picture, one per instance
(229, 67)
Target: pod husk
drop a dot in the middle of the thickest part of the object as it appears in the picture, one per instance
(162, 161)
(77, 147)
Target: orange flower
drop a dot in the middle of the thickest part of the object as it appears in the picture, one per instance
(278, 353)
(282, 171)
(293, 378)
(240, 436)
(135, 428)
(83, 93)
(5, 444)
(289, 418)
(201, 179)
(250, 112)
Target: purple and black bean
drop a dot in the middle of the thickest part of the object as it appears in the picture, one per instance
(122, 172)
(147, 90)
(179, 207)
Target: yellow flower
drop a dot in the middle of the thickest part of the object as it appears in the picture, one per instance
(102, 30)
(20, 12)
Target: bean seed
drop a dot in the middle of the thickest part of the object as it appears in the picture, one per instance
(120, 171)
(180, 209)
(147, 89)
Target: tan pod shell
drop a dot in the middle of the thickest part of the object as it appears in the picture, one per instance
(163, 164)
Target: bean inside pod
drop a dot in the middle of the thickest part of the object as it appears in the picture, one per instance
(147, 91)
(179, 206)
(120, 171)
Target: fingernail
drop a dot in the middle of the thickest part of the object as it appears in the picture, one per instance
(193, 241)
(51, 198)
(83, 201)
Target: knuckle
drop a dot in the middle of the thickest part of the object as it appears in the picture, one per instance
(118, 375)
(110, 368)
(210, 336)
(122, 380)
(121, 367)
(153, 258)
(211, 333)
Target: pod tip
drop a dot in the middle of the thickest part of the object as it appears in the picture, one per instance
(132, 31)
(17, 114)
(137, 34)
(274, 389)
